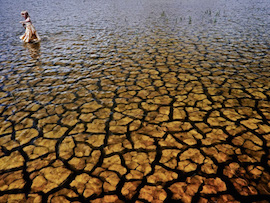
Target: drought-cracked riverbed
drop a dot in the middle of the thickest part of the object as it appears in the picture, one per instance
(136, 101)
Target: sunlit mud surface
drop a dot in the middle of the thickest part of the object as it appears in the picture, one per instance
(135, 101)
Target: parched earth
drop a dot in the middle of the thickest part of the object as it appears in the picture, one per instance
(139, 120)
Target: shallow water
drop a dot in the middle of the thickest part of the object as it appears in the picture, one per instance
(146, 101)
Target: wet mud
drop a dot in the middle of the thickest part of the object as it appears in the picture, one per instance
(161, 111)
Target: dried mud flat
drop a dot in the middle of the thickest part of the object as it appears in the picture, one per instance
(140, 118)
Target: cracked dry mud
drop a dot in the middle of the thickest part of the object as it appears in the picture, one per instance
(147, 128)
(150, 118)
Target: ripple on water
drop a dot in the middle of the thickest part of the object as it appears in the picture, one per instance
(135, 101)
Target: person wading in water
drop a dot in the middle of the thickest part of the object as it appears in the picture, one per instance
(30, 34)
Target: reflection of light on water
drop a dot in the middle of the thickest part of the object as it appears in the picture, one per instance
(168, 98)
(34, 49)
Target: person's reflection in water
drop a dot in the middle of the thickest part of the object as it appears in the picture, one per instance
(34, 49)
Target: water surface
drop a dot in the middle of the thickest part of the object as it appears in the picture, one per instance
(126, 101)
